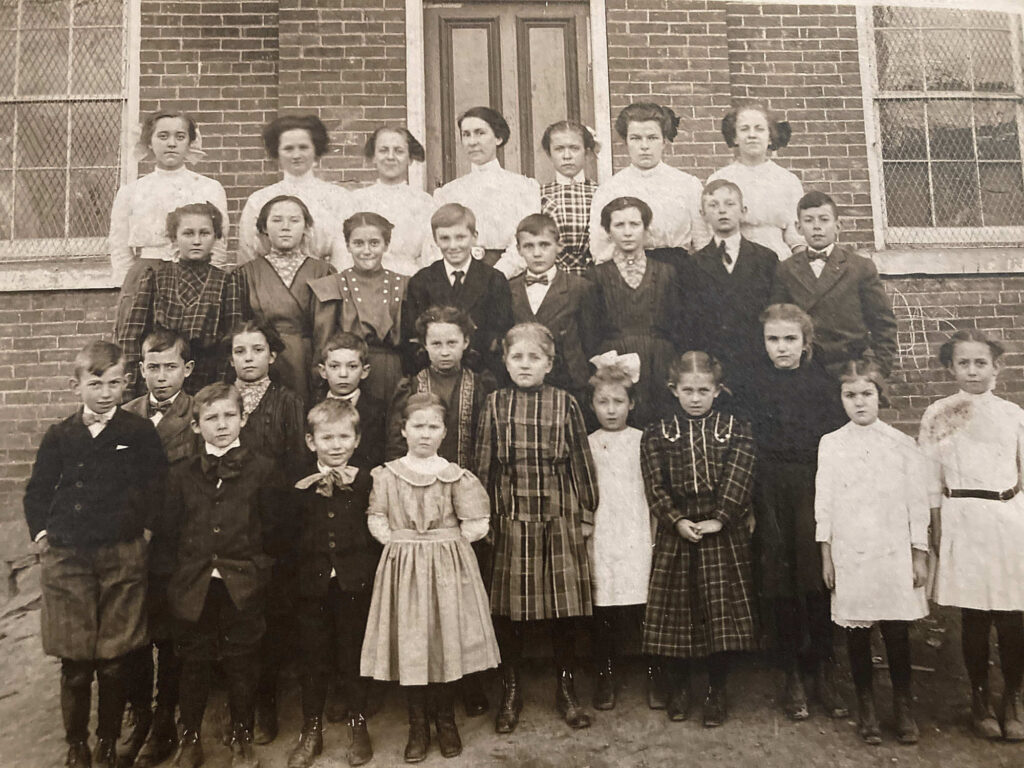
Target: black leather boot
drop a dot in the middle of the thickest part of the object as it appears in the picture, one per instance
(419, 729)
(657, 698)
(473, 697)
(907, 731)
(162, 739)
(983, 718)
(678, 707)
(104, 754)
(867, 719)
(360, 749)
(794, 698)
(265, 728)
(311, 744)
(242, 753)
(142, 720)
(604, 692)
(715, 706)
(448, 739)
(78, 755)
(511, 701)
(568, 704)
(827, 691)
(190, 750)
(1013, 716)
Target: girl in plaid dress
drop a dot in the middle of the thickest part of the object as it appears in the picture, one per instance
(534, 460)
(567, 199)
(698, 467)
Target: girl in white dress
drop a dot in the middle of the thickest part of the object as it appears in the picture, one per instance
(620, 547)
(871, 511)
(975, 443)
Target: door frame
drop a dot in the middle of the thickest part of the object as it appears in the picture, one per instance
(416, 85)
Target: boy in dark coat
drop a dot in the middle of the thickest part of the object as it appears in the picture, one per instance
(221, 505)
(91, 503)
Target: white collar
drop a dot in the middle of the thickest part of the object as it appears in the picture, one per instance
(351, 397)
(427, 466)
(450, 270)
(732, 242)
(550, 274)
(105, 416)
(827, 250)
(176, 172)
(649, 172)
(154, 401)
(579, 178)
(490, 165)
(307, 178)
(213, 450)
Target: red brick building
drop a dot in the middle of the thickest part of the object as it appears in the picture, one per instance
(910, 117)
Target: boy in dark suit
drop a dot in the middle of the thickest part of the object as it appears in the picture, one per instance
(463, 281)
(221, 506)
(840, 290)
(344, 364)
(567, 305)
(166, 363)
(337, 560)
(725, 286)
(94, 497)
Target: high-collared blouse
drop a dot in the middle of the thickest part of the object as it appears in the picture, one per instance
(138, 217)
(770, 193)
(568, 201)
(674, 198)
(329, 205)
(409, 210)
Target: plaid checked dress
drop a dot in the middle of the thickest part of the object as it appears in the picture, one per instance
(569, 206)
(700, 599)
(533, 457)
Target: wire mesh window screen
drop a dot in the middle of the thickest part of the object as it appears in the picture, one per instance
(949, 104)
(62, 97)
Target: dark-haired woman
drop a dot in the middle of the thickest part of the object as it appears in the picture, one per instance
(277, 287)
(138, 218)
(298, 143)
(392, 151)
(568, 198)
(499, 199)
(673, 195)
(770, 192)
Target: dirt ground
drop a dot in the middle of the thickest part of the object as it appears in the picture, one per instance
(756, 735)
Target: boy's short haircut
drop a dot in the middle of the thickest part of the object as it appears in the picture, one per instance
(537, 224)
(162, 339)
(211, 393)
(330, 411)
(257, 324)
(816, 199)
(453, 215)
(97, 357)
(207, 209)
(536, 332)
(717, 184)
(449, 315)
(791, 313)
(344, 340)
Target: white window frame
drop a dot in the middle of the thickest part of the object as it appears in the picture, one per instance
(941, 237)
(82, 262)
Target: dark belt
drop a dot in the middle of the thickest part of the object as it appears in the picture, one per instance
(974, 493)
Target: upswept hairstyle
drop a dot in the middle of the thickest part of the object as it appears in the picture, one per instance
(310, 123)
(416, 151)
(568, 126)
(625, 203)
(207, 209)
(644, 112)
(493, 118)
(149, 124)
(779, 131)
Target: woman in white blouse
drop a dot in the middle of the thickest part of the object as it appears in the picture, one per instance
(673, 195)
(770, 192)
(138, 217)
(498, 198)
(298, 142)
(392, 151)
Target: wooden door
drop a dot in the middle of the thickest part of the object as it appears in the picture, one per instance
(528, 60)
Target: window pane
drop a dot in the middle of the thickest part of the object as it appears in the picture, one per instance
(941, 17)
(976, 19)
(96, 61)
(949, 130)
(945, 65)
(42, 135)
(906, 195)
(955, 186)
(93, 13)
(6, 203)
(903, 136)
(45, 14)
(894, 16)
(95, 133)
(899, 60)
(43, 62)
(39, 205)
(8, 48)
(992, 59)
(996, 128)
(1002, 194)
(92, 194)
(6, 137)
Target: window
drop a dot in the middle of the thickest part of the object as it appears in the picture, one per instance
(64, 97)
(946, 112)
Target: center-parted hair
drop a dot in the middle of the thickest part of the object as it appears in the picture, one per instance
(261, 325)
(624, 204)
(948, 349)
(448, 315)
(149, 124)
(261, 219)
(854, 370)
(97, 357)
(162, 339)
(422, 401)
(367, 219)
(647, 112)
(779, 131)
(532, 332)
(568, 126)
(791, 313)
(331, 411)
(493, 118)
(694, 361)
(213, 393)
(311, 124)
(208, 209)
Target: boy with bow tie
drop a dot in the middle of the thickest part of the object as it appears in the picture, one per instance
(166, 364)
(221, 505)
(337, 559)
(94, 497)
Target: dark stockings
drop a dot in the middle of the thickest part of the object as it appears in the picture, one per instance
(975, 629)
(896, 636)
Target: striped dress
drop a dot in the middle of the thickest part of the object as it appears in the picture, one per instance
(533, 457)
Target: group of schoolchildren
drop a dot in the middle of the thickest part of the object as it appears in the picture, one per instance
(440, 498)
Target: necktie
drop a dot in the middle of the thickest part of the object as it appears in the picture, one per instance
(457, 276)
(813, 255)
(535, 279)
(89, 418)
(724, 254)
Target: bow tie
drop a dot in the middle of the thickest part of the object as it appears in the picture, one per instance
(534, 279)
(161, 406)
(813, 255)
(89, 418)
(223, 467)
(337, 477)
